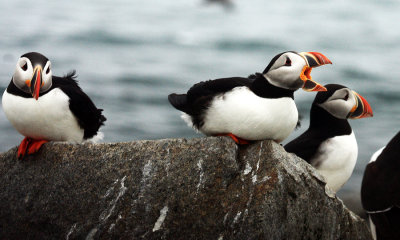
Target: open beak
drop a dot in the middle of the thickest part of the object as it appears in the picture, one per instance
(361, 109)
(36, 82)
(313, 59)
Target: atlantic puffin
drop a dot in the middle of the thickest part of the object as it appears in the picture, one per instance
(255, 108)
(329, 143)
(43, 107)
(380, 191)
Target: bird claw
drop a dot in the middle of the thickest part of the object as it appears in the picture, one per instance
(35, 146)
(237, 140)
(29, 146)
(23, 146)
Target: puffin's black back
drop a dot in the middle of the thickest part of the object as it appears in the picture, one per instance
(322, 127)
(381, 190)
(89, 117)
(200, 96)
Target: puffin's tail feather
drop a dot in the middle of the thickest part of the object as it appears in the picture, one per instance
(97, 138)
(179, 101)
(96, 120)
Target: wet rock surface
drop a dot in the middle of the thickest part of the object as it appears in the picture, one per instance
(206, 188)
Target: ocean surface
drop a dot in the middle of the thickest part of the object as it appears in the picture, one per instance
(129, 55)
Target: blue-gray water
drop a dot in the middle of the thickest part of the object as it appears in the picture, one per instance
(129, 55)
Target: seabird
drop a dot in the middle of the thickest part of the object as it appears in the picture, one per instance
(380, 191)
(43, 107)
(329, 143)
(255, 108)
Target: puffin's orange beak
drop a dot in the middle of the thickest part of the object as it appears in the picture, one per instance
(313, 59)
(36, 82)
(361, 109)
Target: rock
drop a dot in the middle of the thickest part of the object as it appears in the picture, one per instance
(352, 200)
(205, 188)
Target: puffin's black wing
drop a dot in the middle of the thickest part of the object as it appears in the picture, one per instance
(201, 92)
(89, 117)
(306, 145)
(199, 97)
(214, 87)
(380, 191)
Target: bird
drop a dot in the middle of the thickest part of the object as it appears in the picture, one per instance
(258, 107)
(329, 143)
(380, 191)
(43, 107)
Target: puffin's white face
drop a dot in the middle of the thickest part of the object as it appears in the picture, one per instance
(285, 71)
(291, 70)
(345, 103)
(340, 103)
(32, 77)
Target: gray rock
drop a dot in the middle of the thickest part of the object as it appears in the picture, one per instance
(205, 188)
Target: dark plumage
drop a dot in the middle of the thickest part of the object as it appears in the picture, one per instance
(380, 191)
(199, 96)
(89, 117)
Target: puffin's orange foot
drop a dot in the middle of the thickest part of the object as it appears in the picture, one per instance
(238, 140)
(29, 146)
(23, 146)
(35, 146)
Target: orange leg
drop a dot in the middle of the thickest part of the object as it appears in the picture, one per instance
(23, 146)
(35, 146)
(29, 146)
(238, 140)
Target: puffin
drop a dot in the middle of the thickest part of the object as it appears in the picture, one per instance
(258, 107)
(329, 143)
(43, 107)
(380, 191)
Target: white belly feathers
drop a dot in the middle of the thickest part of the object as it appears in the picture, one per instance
(335, 160)
(47, 118)
(249, 116)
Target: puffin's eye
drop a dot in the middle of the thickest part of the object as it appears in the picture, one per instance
(25, 66)
(288, 62)
(48, 70)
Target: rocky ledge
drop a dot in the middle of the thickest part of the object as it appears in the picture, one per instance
(205, 188)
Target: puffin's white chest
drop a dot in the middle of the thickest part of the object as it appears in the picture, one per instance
(47, 118)
(250, 117)
(335, 160)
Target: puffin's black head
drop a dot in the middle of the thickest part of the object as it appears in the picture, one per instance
(291, 70)
(33, 74)
(342, 102)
